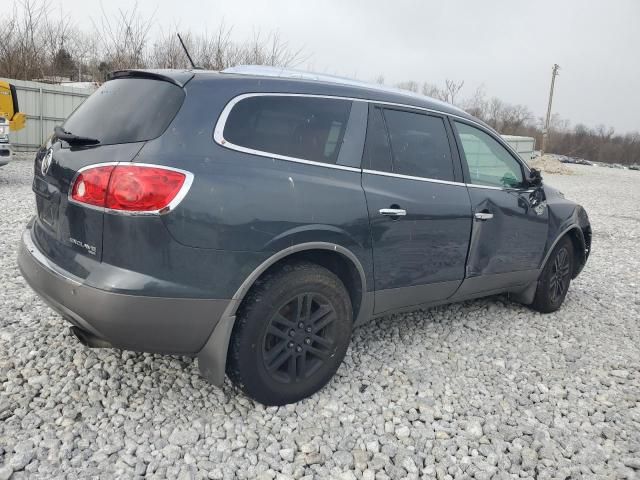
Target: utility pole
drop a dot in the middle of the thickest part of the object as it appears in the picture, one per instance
(545, 131)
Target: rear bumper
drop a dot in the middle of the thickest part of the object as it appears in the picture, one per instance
(5, 153)
(132, 322)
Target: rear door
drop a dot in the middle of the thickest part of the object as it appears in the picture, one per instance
(510, 223)
(121, 116)
(419, 209)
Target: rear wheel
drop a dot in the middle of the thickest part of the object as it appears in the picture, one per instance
(291, 334)
(555, 279)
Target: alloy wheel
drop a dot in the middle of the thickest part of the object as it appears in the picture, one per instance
(300, 337)
(559, 281)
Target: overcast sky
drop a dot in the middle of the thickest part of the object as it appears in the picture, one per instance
(507, 46)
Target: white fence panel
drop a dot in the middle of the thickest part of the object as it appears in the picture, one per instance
(45, 106)
(523, 145)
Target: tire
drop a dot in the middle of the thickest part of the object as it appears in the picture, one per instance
(291, 334)
(555, 279)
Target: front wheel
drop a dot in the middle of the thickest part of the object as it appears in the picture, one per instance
(291, 334)
(555, 279)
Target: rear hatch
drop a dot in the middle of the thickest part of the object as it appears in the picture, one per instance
(112, 125)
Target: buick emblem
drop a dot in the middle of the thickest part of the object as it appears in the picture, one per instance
(46, 162)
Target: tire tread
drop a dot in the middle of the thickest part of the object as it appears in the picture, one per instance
(541, 301)
(255, 297)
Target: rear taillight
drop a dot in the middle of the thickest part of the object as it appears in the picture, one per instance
(91, 184)
(130, 188)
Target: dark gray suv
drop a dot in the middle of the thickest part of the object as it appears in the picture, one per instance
(253, 217)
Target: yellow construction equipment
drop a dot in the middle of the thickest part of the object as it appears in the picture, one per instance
(9, 107)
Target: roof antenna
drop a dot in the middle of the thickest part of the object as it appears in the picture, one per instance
(193, 65)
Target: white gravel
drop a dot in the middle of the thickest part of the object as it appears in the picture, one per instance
(485, 389)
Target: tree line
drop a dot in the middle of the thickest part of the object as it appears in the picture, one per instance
(36, 42)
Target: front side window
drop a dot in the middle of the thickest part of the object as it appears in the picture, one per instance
(308, 128)
(489, 162)
(419, 145)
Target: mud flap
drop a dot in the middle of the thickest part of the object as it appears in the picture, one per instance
(526, 295)
(212, 359)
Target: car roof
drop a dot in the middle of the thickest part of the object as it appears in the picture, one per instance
(261, 78)
(292, 74)
(298, 81)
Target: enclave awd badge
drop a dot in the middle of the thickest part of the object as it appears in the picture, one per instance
(89, 248)
(46, 162)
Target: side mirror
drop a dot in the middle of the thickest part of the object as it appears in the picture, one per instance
(534, 178)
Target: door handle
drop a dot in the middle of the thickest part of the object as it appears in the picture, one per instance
(393, 212)
(482, 216)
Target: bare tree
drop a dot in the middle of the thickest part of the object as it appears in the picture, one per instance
(36, 43)
(270, 50)
(432, 91)
(410, 85)
(451, 90)
(217, 50)
(447, 94)
(124, 37)
(477, 104)
(22, 45)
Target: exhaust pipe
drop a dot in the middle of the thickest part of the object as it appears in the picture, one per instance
(88, 339)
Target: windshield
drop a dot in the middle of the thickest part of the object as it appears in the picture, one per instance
(127, 110)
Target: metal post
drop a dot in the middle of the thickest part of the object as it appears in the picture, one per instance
(41, 116)
(545, 131)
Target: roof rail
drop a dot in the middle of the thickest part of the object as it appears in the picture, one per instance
(283, 72)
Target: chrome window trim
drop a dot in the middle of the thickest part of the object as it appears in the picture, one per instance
(186, 186)
(409, 177)
(486, 187)
(218, 131)
(445, 182)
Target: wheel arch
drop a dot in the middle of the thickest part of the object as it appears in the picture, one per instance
(336, 258)
(580, 247)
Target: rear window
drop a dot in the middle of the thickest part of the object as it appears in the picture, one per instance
(127, 110)
(309, 128)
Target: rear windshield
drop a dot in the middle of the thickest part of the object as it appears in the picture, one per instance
(127, 110)
(309, 128)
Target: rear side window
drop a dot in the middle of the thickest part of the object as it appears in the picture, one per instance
(308, 128)
(377, 153)
(419, 145)
(127, 110)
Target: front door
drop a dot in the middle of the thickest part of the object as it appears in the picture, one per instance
(419, 208)
(510, 219)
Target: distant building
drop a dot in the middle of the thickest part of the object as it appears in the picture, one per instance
(523, 145)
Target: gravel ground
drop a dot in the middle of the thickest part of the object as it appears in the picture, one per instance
(484, 389)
